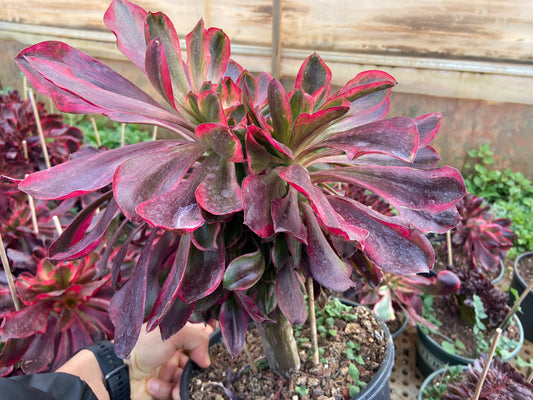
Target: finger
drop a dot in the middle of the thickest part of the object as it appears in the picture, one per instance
(168, 369)
(176, 393)
(158, 389)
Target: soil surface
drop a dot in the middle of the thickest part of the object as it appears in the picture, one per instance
(457, 329)
(525, 269)
(327, 381)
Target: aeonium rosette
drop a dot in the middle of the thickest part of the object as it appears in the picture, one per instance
(246, 194)
(63, 309)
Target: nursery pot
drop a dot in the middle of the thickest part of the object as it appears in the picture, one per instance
(428, 381)
(520, 285)
(430, 356)
(376, 389)
(501, 273)
(401, 329)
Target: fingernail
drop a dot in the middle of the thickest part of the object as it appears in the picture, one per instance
(152, 386)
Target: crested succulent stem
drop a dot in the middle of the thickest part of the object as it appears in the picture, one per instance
(312, 320)
(279, 344)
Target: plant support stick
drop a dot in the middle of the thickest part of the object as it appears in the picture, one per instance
(9, 275)
(488, 360)
(449, 245)
(96, 134)
(39, 128)
(312, 320)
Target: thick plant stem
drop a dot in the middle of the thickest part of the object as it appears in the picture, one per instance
(279, 344)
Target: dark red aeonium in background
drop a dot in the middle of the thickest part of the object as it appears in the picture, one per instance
(247, 191)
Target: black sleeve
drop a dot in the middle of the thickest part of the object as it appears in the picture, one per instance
(50, 386)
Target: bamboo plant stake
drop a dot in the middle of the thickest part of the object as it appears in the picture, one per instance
(57, 224)
(449, 246)
(312, 320)
(25, 149)
(122, 133)
(98, 142)
(39, 128)
(9, 275)
(488, 360)
(154, 133)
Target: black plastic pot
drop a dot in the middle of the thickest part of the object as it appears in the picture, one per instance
(430, 356)
(520, 285)
(401, 329)
(377, 388)
(429, 381)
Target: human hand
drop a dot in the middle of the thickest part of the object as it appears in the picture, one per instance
(156, 365)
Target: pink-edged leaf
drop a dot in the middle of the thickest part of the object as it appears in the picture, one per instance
(219, 49)
(79, 83)
(221, 140)
(26, 322)
(158, 25)
(397, 136)
(210, 107)
(432, 190)
(157, 70)
(264, 137)
(384, 308)
(389, 245)
(290, 296)
(233, 324)
(220, 193)
(298, 177)
(358, 91)
(258, 191)
(41, 351)
(280, 112)
(308, 126)
(176, 317)
(251, 308)
(445, 283)
(257, 157)
(313, 75)
(126, 309)
(169, 291)
(198, 56)
(261, 94)
(233, 71)
(244, 271)
(426, 222)
(205, 237)
(178, 209)
(159, 172)
(428, 126)
(368, 113)
(13, 350)
(230, 94)
(325, 266)
(286, 216)
(203, 274)
(126, 21)
(426, 157)
(90, 241)
(78, 227)
(87, 174)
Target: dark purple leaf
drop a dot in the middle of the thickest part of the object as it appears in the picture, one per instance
(126, 309)
(325, 266)
(90, 241)
(298, 177)
(286, 216)
(258, 191)
(397, 136)
(257, 157)
(176, 317)
(79, 83)
(13, 350)
(249, 306)
(389, 245)
(428, 126)
(433, 190)
(169, 291)
(290, 296)
(244, 271)
(233, 324)
(126, 21)
(426, 222)
(87, 174)
(160, 171)
(203, 274)
(205, 237)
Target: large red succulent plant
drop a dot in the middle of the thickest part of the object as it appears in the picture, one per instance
(246, 191)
